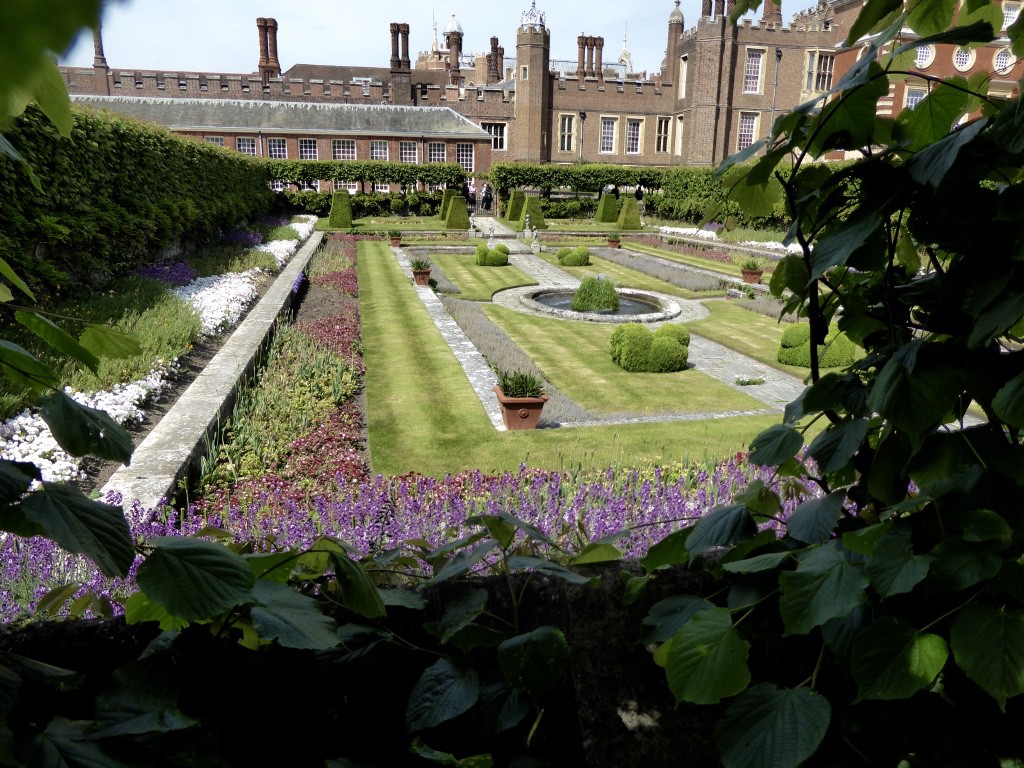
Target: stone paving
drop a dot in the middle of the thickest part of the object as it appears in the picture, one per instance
(708, 357)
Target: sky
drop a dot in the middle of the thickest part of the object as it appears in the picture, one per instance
(220, 35)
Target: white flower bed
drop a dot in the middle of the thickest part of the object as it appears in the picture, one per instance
(707, 234)
(219, 300)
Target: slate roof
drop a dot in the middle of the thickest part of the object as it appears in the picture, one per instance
(290, 117)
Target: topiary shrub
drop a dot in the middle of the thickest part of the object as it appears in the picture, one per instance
(666, 354)
(494, 258)
(481, 254)
(532, 209)
(674, 331)
(578, 257)
(636, 349)
(595, 294)
(629, 214)
(341, 211)
(458, 216)
(515, 205)
(630, 344)
(398, 205)
(795, 348)
(502, 247)
(607, 209)
(446, 200)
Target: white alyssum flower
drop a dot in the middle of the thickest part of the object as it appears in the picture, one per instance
(220, 300)
(26, 437)
(283, 250)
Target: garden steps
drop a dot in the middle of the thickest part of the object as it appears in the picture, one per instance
(175, 445)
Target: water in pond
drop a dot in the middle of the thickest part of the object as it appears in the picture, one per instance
(627, 305)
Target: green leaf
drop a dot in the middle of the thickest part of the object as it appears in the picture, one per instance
(823, 586)
(668, 616)
(458, 612)
(754, 194)
(194, 579)
(875, 15)
(708, 659)
(16, 281)
(768, 727)
(548, 568)
(894, 569)
(463, 561)
(142, 700)
(892, 660)
(444, 691)
(67, 743)
(721, 527)
(930, 165)
(82, 526)
(958, 566)
(20, 367)
(81, 430)
(501, 530)
(358, 593)
(790, 274)
(927, 17)
(835, 248)
(988, 645)
(774, 445)
(276, 566)
(138, 608)
(107, 342)
(931, 119)
(295, 621)
(758, 564)
(985, 525)
(996, 320)
(834, 448)
(6, 148)
(761, 501)
(671, 550)
(1009, 402)
(534, 661)
(16, 478)
(597, 553)
(402, 598)
(51, 96)
(814, 520)
(863, 540)
(57, 338)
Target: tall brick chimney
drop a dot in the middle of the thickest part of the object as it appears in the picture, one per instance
(581, 43)
(98, 60)
(261, 30)
(772, 13)
(493, 73)
(403, 30)
(598, 59)
(454, 53)
(396, 63)
(705, 9)
(274, 64)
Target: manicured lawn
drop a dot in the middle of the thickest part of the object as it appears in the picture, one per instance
(424, 416)
(478, 283)
(755, 335)
(731, 269)
(575, 357)
(382, 223)
(622, 276)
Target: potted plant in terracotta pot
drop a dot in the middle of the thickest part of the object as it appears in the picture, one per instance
(420, 271)
(521, 397)
(614, 239)
(396, 237)
(751, 268)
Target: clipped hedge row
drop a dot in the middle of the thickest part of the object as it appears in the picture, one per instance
(457, 216)
(574, 257)
(369, 172)
(629, 214)
(795, 348)
(607, 209)
(112, 194)
(636, 349)
(494, 257)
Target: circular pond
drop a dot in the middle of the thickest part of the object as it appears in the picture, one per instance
(634, 306)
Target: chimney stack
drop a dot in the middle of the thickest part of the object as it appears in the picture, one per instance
(403, 30)
(454, 52)
(599, 56)
(275, 65)
(98, 59)
(772, 14)
(395, 61)
(581, 43)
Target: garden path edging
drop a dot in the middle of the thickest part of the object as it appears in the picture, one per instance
(172, 448)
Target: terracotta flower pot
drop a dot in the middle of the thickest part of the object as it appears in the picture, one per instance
(614, 243)
(752, 276)
(421, 276)
(520, 412)
(395, 242)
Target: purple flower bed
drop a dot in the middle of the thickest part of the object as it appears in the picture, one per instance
(179, 273)
(243, 237)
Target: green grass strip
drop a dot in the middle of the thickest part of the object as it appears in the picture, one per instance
(755, 335)
(583, 369)
(624, 277)
(478, 283)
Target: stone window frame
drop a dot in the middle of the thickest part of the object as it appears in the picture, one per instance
(1009, 60)
(746, 137)
(1011, 12)
(963, 59)
(497, 131)
(250, 142)
(924, 56)
(753, 81)
(634, 138)
(465, 156)
(408, 152)
(663, 138)
(609, 135)
(818, 77)
(684, 62)
(437, 152)
(277, 148)
(566, 132)
(308, 149)
(379, 149)
(343, 149)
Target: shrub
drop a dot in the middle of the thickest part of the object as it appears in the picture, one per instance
(458, 217)
(595, 294)
(495, 258)
(795, 348)
(398, 205)
(502, 247)
(636, 349)
(515, 205)
(481, 253)
(532, 209)
(674, 331)
(446, 201)
(666, 354)
(607, 209)
(578, 257)
(629, 214)
(341, 211)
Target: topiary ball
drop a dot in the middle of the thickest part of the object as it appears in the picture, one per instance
(666, 355)
(630, 345)
(674, 331)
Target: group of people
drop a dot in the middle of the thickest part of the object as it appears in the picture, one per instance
(486, 195)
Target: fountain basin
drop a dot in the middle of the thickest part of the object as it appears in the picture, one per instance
(634, 306)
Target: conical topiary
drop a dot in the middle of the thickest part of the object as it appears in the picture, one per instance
(532, 209)
(458, 216)
(607, 209)
(515, 205)
(341, 211)
(629, 214)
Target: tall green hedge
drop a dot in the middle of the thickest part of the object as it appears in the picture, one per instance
(113, 194)
(629, 214)
(532, 208)
(458, 214)
(607, 209)
(341, 211)
(366, 172)
(515, 205)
